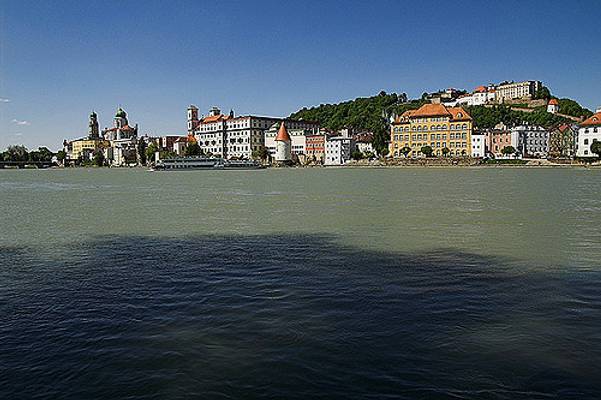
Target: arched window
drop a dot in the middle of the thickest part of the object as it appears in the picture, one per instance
(464, 126)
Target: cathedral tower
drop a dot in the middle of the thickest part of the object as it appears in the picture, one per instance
(93, 132)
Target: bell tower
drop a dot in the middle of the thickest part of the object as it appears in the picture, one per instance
(192, 119)
(93, 132)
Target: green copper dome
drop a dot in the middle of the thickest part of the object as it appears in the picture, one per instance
(120, 113)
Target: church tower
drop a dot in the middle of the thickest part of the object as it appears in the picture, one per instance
(192, 119)
(93, 132)
(120, 118)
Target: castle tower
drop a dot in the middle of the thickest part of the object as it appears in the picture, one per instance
(192, 119)
(283, 145)
(93, 132)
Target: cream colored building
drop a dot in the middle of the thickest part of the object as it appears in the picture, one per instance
(432, 125)
(517, 90)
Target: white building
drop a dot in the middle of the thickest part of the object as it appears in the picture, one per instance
(364, 142)
(517, 90)
(532, 140)
(481, 95)
(478, 145)
(338, 150)
(588, 132)
(553, 106)
(235, 137)
(180, 145)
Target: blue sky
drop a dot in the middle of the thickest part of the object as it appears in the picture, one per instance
(60, 60)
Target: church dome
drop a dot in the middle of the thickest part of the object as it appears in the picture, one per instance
(120, 113)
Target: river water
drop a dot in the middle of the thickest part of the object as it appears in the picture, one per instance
(456, 283)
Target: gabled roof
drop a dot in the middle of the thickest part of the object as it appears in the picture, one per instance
(553, 102)
(593, 120)
(283, 135)
(480, 89)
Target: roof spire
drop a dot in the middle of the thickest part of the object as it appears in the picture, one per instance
(283, 134)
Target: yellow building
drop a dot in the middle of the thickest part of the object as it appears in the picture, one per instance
(84, 147)
(432, 125)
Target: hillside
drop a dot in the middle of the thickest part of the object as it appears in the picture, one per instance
(371, 113)
(368, 113)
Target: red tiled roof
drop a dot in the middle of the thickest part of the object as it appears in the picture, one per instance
(431, 110)
(480, 89)
(593, 120)
(553, 102)
(459, 114)
(215, 118)
(283, 134)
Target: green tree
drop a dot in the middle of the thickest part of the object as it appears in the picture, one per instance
(142, 151)
(508, 150)
(543, 93)
(406, 150)
(427, 151)
(150, 151)
(260, 154)
(357, 155)
(98, 159)
(61, 155)
(17, 153)
(445, 151)
(596, 148)
(45, 154)
(570, 107)
(193, 149)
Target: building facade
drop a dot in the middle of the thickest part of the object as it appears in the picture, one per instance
(533, 141)
(229, 136)
(338, 150)
(316, 147)
(498, 139)
(588, 132)
(517, 90)
(478, 145)
(553, 106)
(433, 125)
(364, 142)
(562, 141)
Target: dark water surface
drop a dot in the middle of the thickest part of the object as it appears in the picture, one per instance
(105, 306)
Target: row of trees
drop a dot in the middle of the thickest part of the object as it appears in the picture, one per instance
(22, 154)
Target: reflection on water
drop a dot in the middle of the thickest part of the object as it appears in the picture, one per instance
(290, 316)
